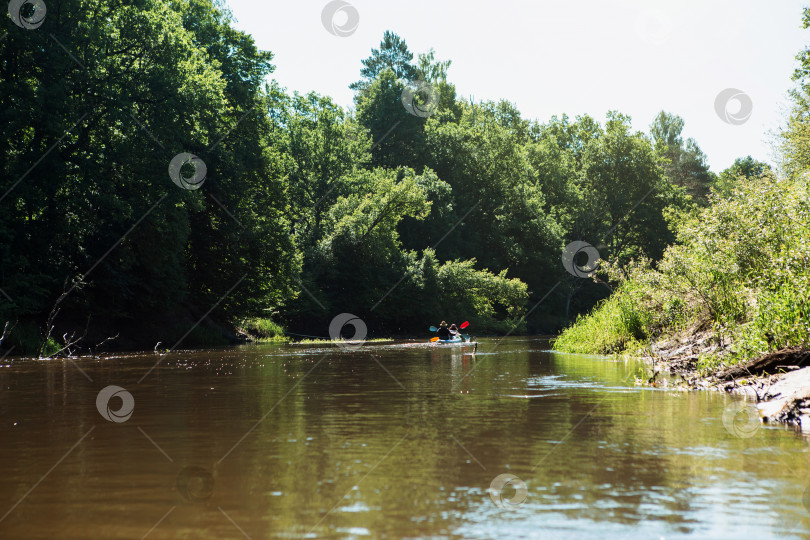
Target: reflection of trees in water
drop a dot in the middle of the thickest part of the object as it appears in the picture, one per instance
(609, 452)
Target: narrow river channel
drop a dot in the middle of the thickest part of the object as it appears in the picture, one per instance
(385, 441)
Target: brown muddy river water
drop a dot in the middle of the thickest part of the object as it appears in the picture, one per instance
(385, 441)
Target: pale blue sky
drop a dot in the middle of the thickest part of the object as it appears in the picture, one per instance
(563, 56)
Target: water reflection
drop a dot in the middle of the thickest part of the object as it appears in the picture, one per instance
(390, 440)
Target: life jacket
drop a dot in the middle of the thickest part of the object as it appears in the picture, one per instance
(444, 333)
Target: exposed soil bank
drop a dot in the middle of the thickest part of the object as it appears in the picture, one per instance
(778, 381)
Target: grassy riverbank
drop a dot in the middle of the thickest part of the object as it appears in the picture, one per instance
(738, 276)
(735, 286)
(264, 330)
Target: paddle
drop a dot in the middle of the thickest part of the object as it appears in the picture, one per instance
(463, 325)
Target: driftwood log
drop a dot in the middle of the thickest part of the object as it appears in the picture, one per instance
(771, 363)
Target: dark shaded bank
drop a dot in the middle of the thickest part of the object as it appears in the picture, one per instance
(188, 327)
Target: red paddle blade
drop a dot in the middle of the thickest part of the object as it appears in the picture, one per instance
(464, 325)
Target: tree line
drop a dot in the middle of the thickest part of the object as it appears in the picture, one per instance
(414, 205)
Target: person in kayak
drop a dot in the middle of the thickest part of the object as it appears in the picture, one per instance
(454, 331)
(444, 332)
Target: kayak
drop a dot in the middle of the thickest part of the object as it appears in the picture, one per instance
(453, 341)
(457, 341)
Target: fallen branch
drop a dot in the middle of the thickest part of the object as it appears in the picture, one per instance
(70, 342)
(49, 322)
(784, 360)
(6, 331)
(105, 340)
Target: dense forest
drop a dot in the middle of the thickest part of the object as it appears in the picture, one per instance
(157, 184)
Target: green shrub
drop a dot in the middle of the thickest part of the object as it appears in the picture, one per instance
(741, 267)
(491, 302)
(264, 329)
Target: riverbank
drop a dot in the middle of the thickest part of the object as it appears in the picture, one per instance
(185, 329)
(726, 307)
(779, 381)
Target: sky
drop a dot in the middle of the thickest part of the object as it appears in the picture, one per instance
(566, 57)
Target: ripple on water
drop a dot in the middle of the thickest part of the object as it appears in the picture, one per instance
(600, 457)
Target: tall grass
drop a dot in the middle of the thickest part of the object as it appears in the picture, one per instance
(264, 330)
(740, 269)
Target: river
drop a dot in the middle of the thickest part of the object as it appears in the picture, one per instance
(386, 440)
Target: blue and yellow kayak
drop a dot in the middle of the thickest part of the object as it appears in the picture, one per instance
(458, 340)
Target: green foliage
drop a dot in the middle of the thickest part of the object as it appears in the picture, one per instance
(684, 162)
(361, 267)
(263, 329)
(359, 257)
(320, 147)
(308, 210)
(371, 215)
(743, 170)
(506, 220)
(159, 78)
(740, 268)
(610, 329)
(395, 56)
(432, 70)
(627, 192)
(491, 302)
(48, 348)
(398, 136)
(796, 135)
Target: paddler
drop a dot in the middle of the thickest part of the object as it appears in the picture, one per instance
(444, 332)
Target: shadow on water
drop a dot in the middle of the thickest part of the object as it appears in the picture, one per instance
(397, 440)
